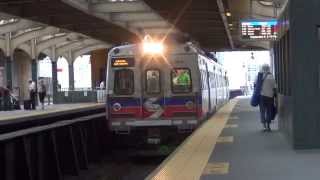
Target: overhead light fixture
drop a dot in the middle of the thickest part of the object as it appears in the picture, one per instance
(228, 14)
(230, 24)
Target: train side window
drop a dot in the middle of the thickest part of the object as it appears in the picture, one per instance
(124, 82)
(153, 81)
(181, 81)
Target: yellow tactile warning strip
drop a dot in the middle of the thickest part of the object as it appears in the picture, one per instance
(234, 118)
(218, 168)
(225, 139)
(190, 159)
(231, 126)
(27, 114)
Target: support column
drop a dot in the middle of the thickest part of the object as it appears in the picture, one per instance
(54, 81)
(9, 69)
(34, 70)
(71, 77)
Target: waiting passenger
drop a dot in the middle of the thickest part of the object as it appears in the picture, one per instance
(267, 97)
(33, 94)
(42, 90)
(1, 98)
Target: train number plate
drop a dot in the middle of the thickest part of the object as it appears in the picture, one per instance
(153, 140)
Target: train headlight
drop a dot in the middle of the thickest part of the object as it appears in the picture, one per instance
(153, 48)
(116, 107)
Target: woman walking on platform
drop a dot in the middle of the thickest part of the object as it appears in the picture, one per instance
(267, 95)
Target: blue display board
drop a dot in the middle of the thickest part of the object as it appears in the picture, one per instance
(258, 29)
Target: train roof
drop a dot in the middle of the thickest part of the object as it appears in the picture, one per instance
(189, 48)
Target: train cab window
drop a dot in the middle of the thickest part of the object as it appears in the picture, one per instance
(124, 82)
(181, 81)
(153, 81)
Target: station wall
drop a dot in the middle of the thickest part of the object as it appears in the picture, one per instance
(22, 73)
(298, 74)
(98, 66)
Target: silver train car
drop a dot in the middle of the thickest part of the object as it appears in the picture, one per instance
(149, 94)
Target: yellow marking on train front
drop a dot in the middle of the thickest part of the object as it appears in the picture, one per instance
(231, 126)
(189, 159)
(218, 168)
(225, 139)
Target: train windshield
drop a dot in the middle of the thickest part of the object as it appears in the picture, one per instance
(124, 82)
(181, 80)
(153, 81)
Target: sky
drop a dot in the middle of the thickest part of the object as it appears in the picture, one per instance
(235, 61)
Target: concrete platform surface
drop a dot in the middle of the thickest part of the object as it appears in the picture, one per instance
(257, 155)
(49, 109)
(232, 146)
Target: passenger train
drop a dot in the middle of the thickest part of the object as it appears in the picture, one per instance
(155, 92)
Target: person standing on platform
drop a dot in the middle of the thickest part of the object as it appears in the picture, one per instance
(102, 85)
(2, 98)
(33, 94)
(42, 90)
(267, 97)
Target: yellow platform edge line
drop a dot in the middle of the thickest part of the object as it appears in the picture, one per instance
(216, 168)
(191, 157)
(231, 126)
(225, 139)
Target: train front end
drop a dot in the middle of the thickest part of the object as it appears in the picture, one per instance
(151, 98)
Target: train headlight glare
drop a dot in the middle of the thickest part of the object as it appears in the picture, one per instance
(153, 48)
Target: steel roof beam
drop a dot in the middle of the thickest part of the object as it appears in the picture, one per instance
(56, 40)
(225, 22)
(110, 7)
(74, 45)
(32, 35)
(21, 24)
(87, 49)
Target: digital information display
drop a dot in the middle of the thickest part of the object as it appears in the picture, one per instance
(259, 30)
(122, 62)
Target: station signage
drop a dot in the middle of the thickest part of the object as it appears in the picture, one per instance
(259, 30)
(122, 62)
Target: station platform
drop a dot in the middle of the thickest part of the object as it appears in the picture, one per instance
(50, 110)
(232, 146)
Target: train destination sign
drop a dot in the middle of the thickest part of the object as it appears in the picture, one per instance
(259, 30)
(122, 62)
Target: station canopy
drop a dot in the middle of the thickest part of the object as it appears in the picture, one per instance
(214, 25)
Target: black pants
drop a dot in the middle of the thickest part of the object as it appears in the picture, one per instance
(266, 106)
(42, 95)
(33, 100)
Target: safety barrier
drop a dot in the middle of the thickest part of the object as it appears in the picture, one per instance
(64, 97)
(53, 151)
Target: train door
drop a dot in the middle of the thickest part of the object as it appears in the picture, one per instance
(153, 93)
(208, 88)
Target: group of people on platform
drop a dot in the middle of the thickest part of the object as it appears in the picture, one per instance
(9, 102)
(41, 91)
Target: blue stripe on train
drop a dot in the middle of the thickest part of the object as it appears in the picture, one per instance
(125, 102)
(174, 101)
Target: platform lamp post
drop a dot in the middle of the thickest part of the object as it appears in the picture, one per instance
(54, 76)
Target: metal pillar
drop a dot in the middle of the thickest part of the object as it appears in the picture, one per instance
(8, 68)
(34, 70)
(71, 77)
(54, 81)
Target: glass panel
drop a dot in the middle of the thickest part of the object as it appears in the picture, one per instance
(124, 82)
(153, 81)
(181, 80)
